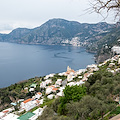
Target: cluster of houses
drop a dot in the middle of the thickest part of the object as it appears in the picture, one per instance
(8, 114)
(115, 49)
(25, 105)
(31, 102)
(50, 91)
(114, 64)
(55, 90)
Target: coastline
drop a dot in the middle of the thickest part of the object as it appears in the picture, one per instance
(76, 57)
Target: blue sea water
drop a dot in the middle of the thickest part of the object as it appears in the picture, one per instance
(20, 62)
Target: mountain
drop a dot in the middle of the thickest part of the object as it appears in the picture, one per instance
(58, 32)
(103, 44)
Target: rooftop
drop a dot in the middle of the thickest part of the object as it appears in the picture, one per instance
(27, 100)
(39, 93)
(55, 89)
(33, 85)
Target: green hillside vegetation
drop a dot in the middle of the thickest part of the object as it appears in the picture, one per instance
(89, 102)
(16, 91)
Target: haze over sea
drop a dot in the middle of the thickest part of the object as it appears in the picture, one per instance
(20, 62)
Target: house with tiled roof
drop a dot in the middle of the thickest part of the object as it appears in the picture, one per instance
(28, 104)
(50, 89)
(10, 116)
(6, 112)
(38, 95)
(54, 90)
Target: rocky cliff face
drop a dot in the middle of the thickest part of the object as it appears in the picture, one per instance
(57, 32)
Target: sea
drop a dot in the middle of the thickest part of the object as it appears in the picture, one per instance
(20, 61)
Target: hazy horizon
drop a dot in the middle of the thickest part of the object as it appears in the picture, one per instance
(33, 13)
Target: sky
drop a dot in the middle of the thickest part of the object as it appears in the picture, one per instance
(33, 13)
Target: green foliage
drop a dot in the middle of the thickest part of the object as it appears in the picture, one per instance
(37, 89)
(73, 93)
(35, 108)
(116, 111)
(88, 107)
(92, 79)
(55, 104)
(49, 114)
(16, 91)
(7, 99)
(47, 102)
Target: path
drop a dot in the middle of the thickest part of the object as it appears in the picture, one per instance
(117, 117)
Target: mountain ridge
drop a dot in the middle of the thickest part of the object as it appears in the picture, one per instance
(55, 32)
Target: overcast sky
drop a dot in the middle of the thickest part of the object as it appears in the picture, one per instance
(33, 13)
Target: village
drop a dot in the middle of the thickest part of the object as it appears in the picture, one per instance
(53, 89)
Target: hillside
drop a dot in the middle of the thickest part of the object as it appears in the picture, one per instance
(96, 38)
(103, 45)
(85, 94)
(58, 31)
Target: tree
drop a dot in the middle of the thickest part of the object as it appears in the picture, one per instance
(47, 113)
(108, 6)
(7, 100)
(55, 104)
(37, 88)
(87, 108)
(73, 93)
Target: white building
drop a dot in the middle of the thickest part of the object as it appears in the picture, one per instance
(86, 75)
(111, 65)
(116, 49)
(2, 115)
(49, 81)
(71, 84)
(80, 82)
(80, 77)
(31, 89)
(49, 76)
(38, 95)
(78, 72)
(37, 113)
(50, 89)
(43, 84)
(10, 116)
(58, 82)
(7, 111)
(51, 96)
(41, 101)
(61, 93)
(61, 74)
(70, 77)
(92, 67)
(119, 61)
(29, 104)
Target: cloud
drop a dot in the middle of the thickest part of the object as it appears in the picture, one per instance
(32, 13)
(5, 27)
